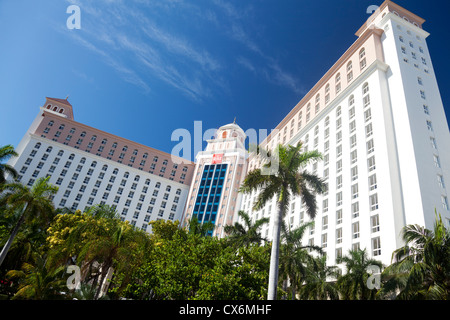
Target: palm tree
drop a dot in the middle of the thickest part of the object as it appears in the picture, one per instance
(30, 203)
(38, 281)
(295, 258)
(353, 285)
(319, 282)
(245, 235)
(107, 241)
(7, 152)
(288, 179)
(420, 269)
(202, 229)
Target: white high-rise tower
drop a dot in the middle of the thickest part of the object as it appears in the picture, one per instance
(378, 119)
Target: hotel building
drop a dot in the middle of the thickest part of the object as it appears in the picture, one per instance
(376, 116)
(219, 170)
(378, 119)
(94, 167)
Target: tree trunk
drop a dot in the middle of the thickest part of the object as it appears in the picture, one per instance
(13, 235)
(273, 272)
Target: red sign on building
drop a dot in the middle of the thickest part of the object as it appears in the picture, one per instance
(217, 158)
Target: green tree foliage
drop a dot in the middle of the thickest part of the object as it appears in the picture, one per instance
(187, 265)
(353, 285)
(244, 235)
(289, 178)
(6, 152)
(420, 269)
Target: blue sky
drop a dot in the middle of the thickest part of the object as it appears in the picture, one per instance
(142, 69)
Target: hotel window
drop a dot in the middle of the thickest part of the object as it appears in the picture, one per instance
(351, 113)
(339, 166)
(444, 202)
(338, 123)
(355, 229)
(376, 246)
(349, 71)
(355, 191)
(327, 93)
(370, 146)
(371, 163)
(325, 186)
(339, 216)
(325, 173)
(339, 151)
(326, 146)
(324, 240)
(325, 205)
(433, 142)
(339, 182)
(440, 181)
(422, 94)
(372, 182)
(426, 109)
(353, 141)
(401, 39)
(354, 173)
(352, 126)
(366, 100)
(316, 130)
(308, 115)
(369, 130)
(299, 123)
(326, 159)
(365, 88)
(355, 209)
(327, 133)
(429, 126)
(424, 61)
(354, 156)
(339, 136)
(437, 162)
(362, 58)
(338, 83)
(367, 115)
(403, 50)
(373, 201)
(351, 100)
(339, 235)
(339, 199)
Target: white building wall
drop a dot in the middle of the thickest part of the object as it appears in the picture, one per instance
(412, 86)
(139, 197)
(407, 186)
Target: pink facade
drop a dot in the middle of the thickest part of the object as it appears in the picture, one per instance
(57, 124)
